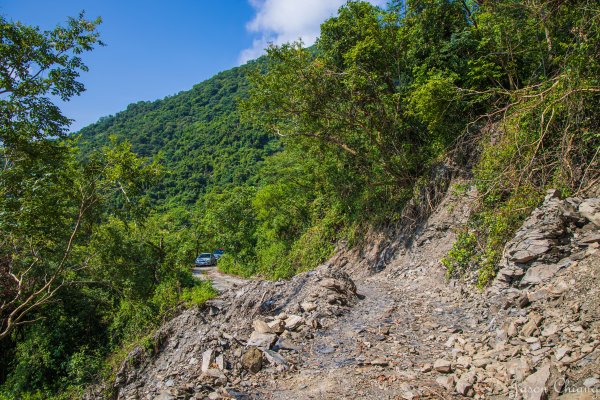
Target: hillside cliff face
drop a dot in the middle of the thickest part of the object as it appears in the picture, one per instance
(400, 330)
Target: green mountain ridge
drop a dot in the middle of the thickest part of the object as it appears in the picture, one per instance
(197, 134)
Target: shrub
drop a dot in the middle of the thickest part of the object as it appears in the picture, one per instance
(198, 294)
(463, 256)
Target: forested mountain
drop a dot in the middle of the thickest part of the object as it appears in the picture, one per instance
(277, 161)
(197, 136)
(496, 90)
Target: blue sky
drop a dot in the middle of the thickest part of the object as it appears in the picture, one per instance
(159, 48)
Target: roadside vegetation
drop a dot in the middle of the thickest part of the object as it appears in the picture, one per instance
(275, 162)
(86, 266)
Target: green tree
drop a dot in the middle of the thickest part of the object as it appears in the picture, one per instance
(40, 193)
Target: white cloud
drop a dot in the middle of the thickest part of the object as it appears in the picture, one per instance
(282, 21)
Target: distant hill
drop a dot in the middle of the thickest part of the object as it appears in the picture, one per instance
(198, 134)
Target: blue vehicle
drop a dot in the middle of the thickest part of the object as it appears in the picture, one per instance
(205, 260)
(218, 253)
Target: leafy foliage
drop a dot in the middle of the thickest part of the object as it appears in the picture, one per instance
(197, 135)
(81, 272)
(275, 161)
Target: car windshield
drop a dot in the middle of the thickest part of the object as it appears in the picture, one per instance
(220, 251)
(204, 255)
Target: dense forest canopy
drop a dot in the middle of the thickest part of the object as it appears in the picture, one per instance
(276, 161)
(197, 135)
(85, 267)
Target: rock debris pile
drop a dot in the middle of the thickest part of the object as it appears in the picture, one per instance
(400, 331)
(258, 328)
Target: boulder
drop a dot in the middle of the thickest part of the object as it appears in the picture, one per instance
(261, 326)
(534, 386)
(590, 209)
(252, 359)
(293, 322)
(446, 382)
(540, 273)
(262, 340)
(207, 359)
(443, 366)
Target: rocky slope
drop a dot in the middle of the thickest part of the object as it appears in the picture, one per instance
(382, 322)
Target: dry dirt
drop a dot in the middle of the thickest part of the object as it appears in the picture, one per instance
(382, 322)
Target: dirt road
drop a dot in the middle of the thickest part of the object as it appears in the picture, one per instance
(220, 281)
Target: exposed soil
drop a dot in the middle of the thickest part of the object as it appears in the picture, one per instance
(382, 322)
(221, 282)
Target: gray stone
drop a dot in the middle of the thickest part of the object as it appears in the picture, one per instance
(443, 366)
(261, 326)
(293, 322)
(534, 387)
(540, 273)
(276, 358)
(590, 209)
(446, 382)
(262, 340)
(207, 359)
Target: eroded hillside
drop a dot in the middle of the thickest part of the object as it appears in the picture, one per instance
(402, 330)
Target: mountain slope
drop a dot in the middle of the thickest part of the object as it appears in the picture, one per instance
(397, 331)
(197, 133)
